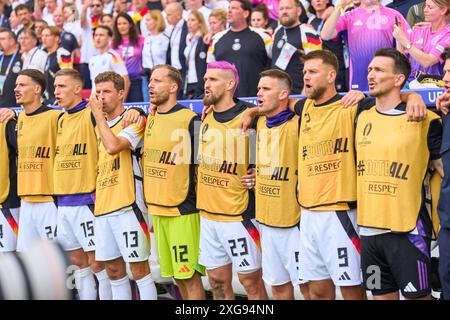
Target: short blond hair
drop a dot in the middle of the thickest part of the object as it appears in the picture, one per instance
(158, 17)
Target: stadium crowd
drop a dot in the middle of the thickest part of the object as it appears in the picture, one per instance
(97, 177)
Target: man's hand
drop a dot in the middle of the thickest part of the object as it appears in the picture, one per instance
(205, 111)
(6, 114)
(416, 109)
(352, 98)
(130, 116)
(247, 120)
(442, 103)
(96, 106)
(249, 180)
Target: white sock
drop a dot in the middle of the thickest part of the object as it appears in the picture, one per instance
(104, 285)
(147, 288)
(121, 289)
(85, 284)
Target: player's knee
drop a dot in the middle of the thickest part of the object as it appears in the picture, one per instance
(79, 258)
(252, 283)
(139, 269)
(97, 266)
(283, 292)
(115, 269)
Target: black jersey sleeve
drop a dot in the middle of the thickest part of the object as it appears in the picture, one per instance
(298, 108)
(434, 139)
(194, 132)
(11, 135)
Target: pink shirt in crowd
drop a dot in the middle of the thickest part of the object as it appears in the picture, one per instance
(368, 31)
(132, 55)
(430, 42)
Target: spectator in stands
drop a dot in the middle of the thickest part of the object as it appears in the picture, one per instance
(370, 27)
(14, 22)
(319, 13)
(32, 56)
(107, 59)
(137, 12)
(128, 43)
(46, 13)
(177, 37)
(108, 7)
(272, 7)
(68, 39)
(39, 25)
(58, 58)
(426, 43)
(260, 18)
(4, 22)
(155, 47)
(120, 6)
(25, 16)
(415, 14)
(88, 21)
(195, 54)
(250, 51)
(10, 66)
(107, 20)
(72, 22)
(197, 5)
(291, 40)
(217, 23)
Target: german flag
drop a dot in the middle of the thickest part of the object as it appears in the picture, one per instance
(137, 16)
(253, 232)
(142, 222)
(65, 61)
(95, 21)
(313, 41)
(11, 221)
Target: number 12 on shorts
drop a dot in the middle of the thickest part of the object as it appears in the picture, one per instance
(179, 253)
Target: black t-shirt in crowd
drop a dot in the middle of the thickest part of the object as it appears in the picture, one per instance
(69, 41)
(7, 98)
(245, 49)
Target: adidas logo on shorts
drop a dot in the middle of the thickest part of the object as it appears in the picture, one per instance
(134, 254)
(344, 276)
(410, 288)
(91, 243)
(244, 263)
(183, 269)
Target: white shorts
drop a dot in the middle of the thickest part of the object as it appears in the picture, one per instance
(9, 227)
(222, 243)
(76, 228)
(280, 255)
(122, 234)
(329, 247)
(37, 220)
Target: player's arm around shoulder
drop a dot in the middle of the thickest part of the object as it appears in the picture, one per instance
(434, 140)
